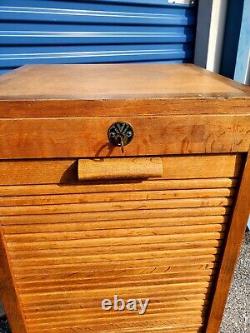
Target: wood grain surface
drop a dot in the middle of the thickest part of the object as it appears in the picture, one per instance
(114, 81)
(153, 135)
(69, 246)
(233, 242)
(64, 171)
(64, 111)
(8, 291)
(67, 243)
(120, 168)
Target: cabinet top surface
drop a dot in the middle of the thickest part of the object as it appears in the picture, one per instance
(116, 81)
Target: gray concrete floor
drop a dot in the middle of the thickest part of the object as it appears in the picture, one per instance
(237, 313)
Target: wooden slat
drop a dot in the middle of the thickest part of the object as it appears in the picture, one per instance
(170, 295)
(169, 307)
(61, 273)
(65, 171)
(71, 245)
(112, 186)
(115, 224)
(115, 215)
(100, 317)
(114, 249)
(178, 262)
(110, 292)
(117, 241)
(113, 206)
(120, 257)
(113, 197)
(123, 275)
(161, 328)
(189, 329)
(170, 261)
(113, 233)
(8, 292)
(80, 285)
(137, 323)
(36, 312)
(168, 299)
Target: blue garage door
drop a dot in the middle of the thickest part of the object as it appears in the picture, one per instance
(51, 31)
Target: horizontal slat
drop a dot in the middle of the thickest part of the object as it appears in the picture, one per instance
(60, 308)
(111, 316)
(199, 256)
(80, 314)
(184, 254)
(161, 328)
(110, 292)
(74, 279)
(86, 54)
(171, 295)
(158, 13)
(106, 216)
(91, 35)
(137, 322)
(64, 171)
(64, 243)
(114, 224)
(186, 297)
(115, 206)
(28, 275)
(169, 307)
(57, 287)
(113, 249)
(99, 235)
(81, 286)
(127, 186)
(115, 215)
(113, 197)
(177, 262)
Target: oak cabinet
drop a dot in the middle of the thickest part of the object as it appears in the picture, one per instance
(120, 180)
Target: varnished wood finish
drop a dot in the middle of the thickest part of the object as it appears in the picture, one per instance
(120, 168)
(97, 82)
(71, 236)
(65, 171)
(177, 109)
(8, 291)
(231, 252)
(154, 135)
(157, 238)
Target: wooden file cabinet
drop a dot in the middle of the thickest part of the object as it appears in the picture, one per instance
(83, 219)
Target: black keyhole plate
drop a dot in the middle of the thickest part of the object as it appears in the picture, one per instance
(120, 134)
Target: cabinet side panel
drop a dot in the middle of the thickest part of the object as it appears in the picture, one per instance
(8, 293)
(231, 251)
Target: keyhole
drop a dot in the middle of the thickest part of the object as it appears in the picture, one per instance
(120, 134)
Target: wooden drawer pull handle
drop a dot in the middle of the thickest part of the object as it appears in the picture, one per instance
(118, 168)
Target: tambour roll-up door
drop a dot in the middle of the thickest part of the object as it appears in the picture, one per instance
(48, 31)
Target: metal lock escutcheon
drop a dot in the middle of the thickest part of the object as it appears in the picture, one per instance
(120, 134)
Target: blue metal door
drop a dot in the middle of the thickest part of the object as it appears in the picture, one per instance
(53, 31)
